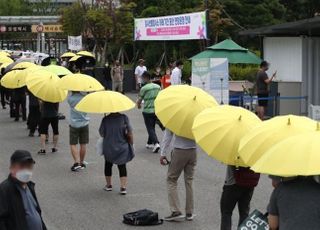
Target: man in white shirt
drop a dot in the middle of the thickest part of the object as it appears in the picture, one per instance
(140, 69)
(177, 73)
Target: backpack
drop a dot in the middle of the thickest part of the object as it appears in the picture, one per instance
(142, 217)
(245, 177)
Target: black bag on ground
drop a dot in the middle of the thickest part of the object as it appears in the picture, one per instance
(142, 217)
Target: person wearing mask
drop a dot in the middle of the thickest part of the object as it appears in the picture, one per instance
(117, 76)
(116, 131)
(237, 190)
(166, 79)
(156, 76)
(19, 206)
(183, 159)
(19, 100)
(78, 132)
(176, 75)
(262, 82)
(49, 116)
(148, 94)
(140, 69)
(34, 114)
(295, 205)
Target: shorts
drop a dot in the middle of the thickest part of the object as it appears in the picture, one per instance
(44, 125)
(263, 103)
(79, 135)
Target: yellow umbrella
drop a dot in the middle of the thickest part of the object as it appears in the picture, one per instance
(85, 53)
(5, 59)
(4, 53)
(294, 156)
(68, 55)
(255, 143)
(13, 80)
(23, 65)
(177, 106)
(4, 65)
(80, 82)
(218, 131)
(75, 58)
(44, 85)
(105, 102)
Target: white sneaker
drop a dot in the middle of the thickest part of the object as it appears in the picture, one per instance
(156, 148)
(149, 146)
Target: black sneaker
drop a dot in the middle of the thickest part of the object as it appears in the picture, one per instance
(42, 152)
(54, 150)
(190, 217)
(76, 167)
(175, 216)
(123, 191)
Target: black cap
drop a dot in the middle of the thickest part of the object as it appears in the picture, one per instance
(21, 156)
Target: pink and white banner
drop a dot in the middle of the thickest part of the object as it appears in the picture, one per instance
(177, 27)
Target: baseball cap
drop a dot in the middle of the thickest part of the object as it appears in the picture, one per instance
(21, 156)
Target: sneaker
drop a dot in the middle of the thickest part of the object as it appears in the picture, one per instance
(108, 188)
(42, 152)
(83, 165)
(149, 146)
(156, 148)
(76, 167)
(123, 191)
(54, 150)
(175, 216)
(190, 217)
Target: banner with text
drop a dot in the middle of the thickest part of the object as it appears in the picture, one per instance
(176, 27)
(75, 43)
(212, 75)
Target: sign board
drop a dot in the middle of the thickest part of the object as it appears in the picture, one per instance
(314, 112)
(176, 27)
(15, 28)
(75, 43)
(212, 75)
(46, 29)
(255, 221)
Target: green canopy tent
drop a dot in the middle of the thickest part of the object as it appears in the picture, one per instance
(230, 50)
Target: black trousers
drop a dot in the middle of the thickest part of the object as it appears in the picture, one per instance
(34, 118)
(4, 96)
(150, 120)
(20, 103)
(231, 196)
(108, 169)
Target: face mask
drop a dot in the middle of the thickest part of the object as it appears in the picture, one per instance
(24, 175)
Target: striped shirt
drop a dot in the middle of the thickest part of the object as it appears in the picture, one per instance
(148, 94)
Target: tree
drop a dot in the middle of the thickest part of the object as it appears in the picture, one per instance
(73, 19)
(14, 7)
(300, 9)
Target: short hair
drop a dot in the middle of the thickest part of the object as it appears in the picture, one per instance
(264, 64)
(147, 75)
(179, 63)
(141, 61)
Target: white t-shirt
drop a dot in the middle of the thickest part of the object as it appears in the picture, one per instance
(139, 71)
(176, 76)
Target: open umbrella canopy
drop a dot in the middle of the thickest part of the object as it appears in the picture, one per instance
(13, 80)
(23, 65)
(259, 140)
(5, 59)
(74, 58)
(294, 156)
(105, 102)
(4, 65)
(80, 82)
(44, 85)
(218, 131)
(177, 106)
(58, 70)
(68, 55)
(85, 53)
(4, 53)
(230, 50)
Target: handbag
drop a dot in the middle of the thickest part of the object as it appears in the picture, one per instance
(255, 221)
(99, 146)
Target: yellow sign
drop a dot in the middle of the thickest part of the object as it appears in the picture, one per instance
(46, 29)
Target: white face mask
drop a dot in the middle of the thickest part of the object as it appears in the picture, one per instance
(24, 175)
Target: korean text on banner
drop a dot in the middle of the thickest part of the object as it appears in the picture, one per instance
(75, 43)
(176, 27)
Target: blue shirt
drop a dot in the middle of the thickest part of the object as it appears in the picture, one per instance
(77, 119)
(33, 218)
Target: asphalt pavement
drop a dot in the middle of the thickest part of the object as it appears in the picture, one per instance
(72, 201)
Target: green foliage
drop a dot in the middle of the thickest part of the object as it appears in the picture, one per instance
(73, 19)
(14, 7)
(243, 72)
(187, 69)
